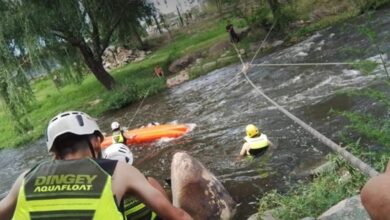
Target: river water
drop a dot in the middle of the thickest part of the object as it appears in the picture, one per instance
(222, 103)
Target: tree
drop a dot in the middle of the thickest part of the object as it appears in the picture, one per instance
(282, 13)
(15, 90)
(154, 15)
(88, 25)
(180, 18)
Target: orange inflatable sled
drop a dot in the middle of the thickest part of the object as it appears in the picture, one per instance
(150, 134)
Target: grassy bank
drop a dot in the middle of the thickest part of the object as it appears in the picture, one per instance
(137, 79)
(366, 136)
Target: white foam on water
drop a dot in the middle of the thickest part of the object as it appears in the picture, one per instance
(285, 84)
(351, 72)
(377, 58)
(191, 127)
(299, 50)
(301, 54)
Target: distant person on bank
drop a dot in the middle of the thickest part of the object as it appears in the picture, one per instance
(256, 143)
(233, 35)
(158, 71)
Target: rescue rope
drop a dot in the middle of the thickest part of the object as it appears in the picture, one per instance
(262, 43)
(301, 64)
(354, 161)
(139, 107)
(244, 66)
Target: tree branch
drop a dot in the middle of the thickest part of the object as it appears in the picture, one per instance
(115, 24)
(72, 40)
(106, 40)
(95, 31)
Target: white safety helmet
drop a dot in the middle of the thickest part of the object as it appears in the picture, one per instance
(115, 125)
(73, 122)
(118, 152)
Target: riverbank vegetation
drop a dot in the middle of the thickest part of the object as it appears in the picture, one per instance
(29, 101)
(366, 137)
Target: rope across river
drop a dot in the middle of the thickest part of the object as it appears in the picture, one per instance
(354, 161)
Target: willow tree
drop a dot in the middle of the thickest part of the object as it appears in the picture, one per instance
(88, 25)
(15, 91)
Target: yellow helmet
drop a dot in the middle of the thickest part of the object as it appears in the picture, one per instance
(252, 130)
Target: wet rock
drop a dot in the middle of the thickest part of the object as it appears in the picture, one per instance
(225, 59)
(178, 79)
(254, 217)
(198, 61)
(266, 216)
(209, 65)
(348, 209)
(277, 43)
(182, 63)
(314, 170)
(255, 46)
(114, 57)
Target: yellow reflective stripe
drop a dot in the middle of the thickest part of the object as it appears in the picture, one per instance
(118, 138)
(135, 209)
(104, 207)
(63, 204)
(154, 215)
(259, 144)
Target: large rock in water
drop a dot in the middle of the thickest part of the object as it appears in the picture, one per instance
(182, 63)
(198, 191)
(348, 209)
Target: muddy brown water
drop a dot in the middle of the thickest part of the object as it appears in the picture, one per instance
(221, 105)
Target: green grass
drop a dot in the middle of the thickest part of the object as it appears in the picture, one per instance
(135, 81)
(311, 199)
(365, 66)
(324, 23)
(324, 191)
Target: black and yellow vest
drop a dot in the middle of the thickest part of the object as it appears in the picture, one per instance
(117, 137)
(257, 143)
(136, 210)
(71, 190)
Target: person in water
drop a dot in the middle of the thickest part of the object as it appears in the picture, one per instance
(118, 135)
(78, 184)
(133, 208)
(256, 143)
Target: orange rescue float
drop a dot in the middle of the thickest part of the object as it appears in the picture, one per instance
(150, 134)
